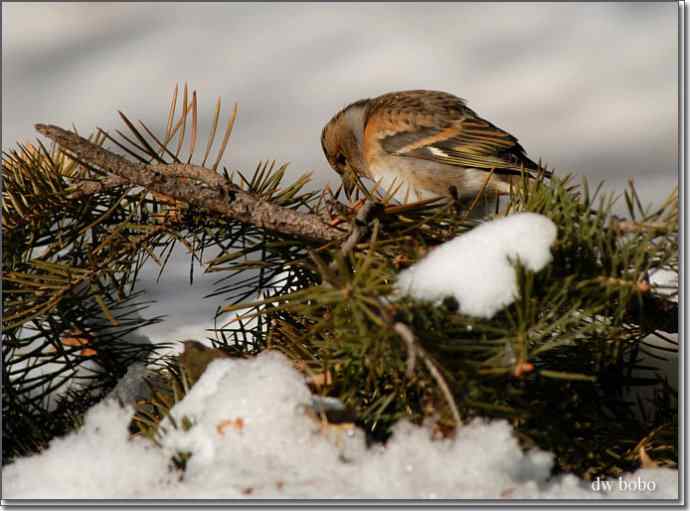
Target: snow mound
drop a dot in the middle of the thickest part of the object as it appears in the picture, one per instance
(245, 432)
(97, 461)
(475, 267)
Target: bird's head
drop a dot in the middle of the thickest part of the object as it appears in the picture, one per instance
(341, 140)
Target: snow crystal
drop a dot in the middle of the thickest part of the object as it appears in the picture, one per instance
(245, 427)
(475, 267)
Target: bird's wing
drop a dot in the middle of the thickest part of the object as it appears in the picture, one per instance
(439, 127)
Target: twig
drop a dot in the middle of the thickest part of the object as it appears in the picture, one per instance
(628, 226)
(414, 350)
(641, 286)
(406, 335)
(359, 227)
(218, 195)
(335, 205)
(479, 195)
(441, 382)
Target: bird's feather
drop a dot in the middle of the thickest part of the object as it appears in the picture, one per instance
(440, 127)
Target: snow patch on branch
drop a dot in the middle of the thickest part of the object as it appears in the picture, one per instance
(476, 267)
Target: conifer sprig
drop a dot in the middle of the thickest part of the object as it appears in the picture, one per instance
(315, 277)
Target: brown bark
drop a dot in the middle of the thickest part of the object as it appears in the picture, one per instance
(197, 186)
(628, 226)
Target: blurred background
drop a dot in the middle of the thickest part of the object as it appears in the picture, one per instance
(590, 88)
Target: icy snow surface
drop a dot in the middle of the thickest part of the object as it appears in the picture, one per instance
(475, 267)
(251, 438)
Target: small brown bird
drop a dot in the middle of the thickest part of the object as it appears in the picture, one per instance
(423, 144)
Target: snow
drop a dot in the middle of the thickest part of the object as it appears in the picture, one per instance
(664, 282)
(251, 438)
(476, 268)
(98, 461)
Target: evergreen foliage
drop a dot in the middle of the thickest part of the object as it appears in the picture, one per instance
(558, 363)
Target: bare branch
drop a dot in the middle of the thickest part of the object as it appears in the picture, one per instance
(406, 335)
(359, 227)
(628, 226)
(441, 382)
(198, 187)
(91, 187)
(414, 350)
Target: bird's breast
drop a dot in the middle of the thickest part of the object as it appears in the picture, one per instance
(414, 179)
(405, 185)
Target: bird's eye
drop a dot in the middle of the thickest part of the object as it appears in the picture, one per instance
(340, 159)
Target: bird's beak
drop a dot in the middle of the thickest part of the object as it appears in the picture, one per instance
(348, 184)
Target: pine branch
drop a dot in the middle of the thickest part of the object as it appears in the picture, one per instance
(383, 310)
(554, 362)
(199, 187)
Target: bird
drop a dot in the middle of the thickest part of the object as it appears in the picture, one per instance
(423, 144)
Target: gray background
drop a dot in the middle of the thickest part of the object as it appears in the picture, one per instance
(591, 88)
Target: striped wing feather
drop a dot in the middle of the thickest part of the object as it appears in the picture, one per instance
(441, 128)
